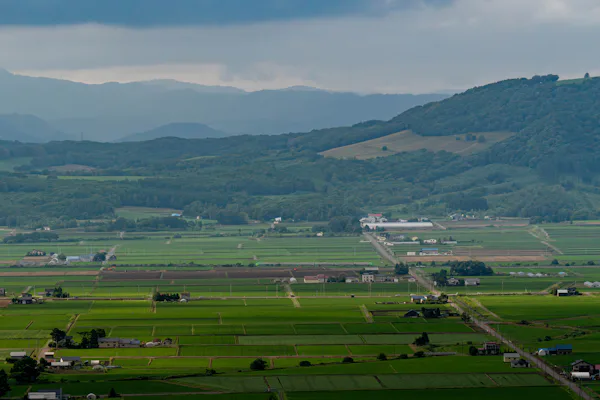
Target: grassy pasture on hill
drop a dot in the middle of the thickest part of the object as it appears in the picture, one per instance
(408, 141)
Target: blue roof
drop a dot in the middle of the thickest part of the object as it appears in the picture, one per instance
(564, 347)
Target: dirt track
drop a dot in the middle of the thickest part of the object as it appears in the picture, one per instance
(478, 258)
(50, 273)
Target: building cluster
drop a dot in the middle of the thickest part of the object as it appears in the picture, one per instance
(583, 370)
(591, 284)
(378, 221)
(558, 350)
(515, 360)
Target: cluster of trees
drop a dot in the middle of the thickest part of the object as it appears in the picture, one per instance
(24, 371)
(31, 237)
(165, 296)
(422, 340)
(401, 269)
(89, 339)
(59, 293)
(341, 224)
(470, 268)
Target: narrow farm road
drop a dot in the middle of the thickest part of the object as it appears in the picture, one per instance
(538, 362)
(383, 252)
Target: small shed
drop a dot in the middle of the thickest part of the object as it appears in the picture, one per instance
(562, 292)
(17, 355)
(509, 357)
(411, 314)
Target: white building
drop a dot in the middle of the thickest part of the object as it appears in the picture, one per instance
(368, 278)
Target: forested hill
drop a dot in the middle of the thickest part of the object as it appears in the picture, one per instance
(546, 170)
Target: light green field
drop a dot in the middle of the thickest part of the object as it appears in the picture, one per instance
(408, 141)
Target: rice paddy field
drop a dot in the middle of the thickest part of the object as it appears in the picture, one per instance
(239, 314)
(226, 335)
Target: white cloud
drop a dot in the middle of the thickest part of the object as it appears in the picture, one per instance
(419, 50)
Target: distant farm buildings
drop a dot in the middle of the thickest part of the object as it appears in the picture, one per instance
(316, 279)
(559, 349)
(374, 221)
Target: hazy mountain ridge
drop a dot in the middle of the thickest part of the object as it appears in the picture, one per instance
(110, 111)
(181, 130)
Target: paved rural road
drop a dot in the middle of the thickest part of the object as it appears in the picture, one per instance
(381, 249)
(541, 364)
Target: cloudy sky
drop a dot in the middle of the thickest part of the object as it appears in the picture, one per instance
(390, 46)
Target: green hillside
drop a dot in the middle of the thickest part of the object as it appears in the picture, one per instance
(546, 170)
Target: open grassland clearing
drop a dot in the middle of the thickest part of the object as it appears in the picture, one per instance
(408, 141)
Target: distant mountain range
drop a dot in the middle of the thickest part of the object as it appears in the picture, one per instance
(28, 128)
(179, 129)
(112, 111)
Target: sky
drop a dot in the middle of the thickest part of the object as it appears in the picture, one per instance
(365, 46)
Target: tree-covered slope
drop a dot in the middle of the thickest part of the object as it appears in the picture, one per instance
(546, 170)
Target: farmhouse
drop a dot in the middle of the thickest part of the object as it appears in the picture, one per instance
(472, 282)
(25, 298)
(17, 355)
(72, 360)
(396, 225)
(562, 292)
(2, 292)
(368, 278)
(429, 251)
(411, 314)
(352, 279)
(117, 342)
(508, 357)
(47, 394)
(316, 279)
(559, 349)
(452, 282)
(61, 364)
(489, 348)
(430, 241)
(520, 363)
(185, 296)
(582, 366)
(417, 299)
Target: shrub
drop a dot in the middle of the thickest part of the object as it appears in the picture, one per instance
(473, 350)
(403, 356)
(305, 363)
(348, 360)
(381, 357)
(258, 365)
(419, 354)
(112, 393)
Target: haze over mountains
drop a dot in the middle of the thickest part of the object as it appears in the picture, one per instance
(113, 111)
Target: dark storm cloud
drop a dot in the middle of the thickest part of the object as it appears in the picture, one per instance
(146, 13)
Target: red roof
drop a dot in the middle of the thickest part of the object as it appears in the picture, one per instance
(375, 215)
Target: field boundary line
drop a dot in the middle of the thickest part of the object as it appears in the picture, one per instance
(394, 327)
(393, 369)
(150, 360)
(296, 350)
(220, 319)
(244, 328)
(28, 325)
(349, 351)
(72, 323)
(495, 383)
(153, 331)
(294, 329)
(366, 314)
(379, 381)
(210, 360)
(344, 328)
